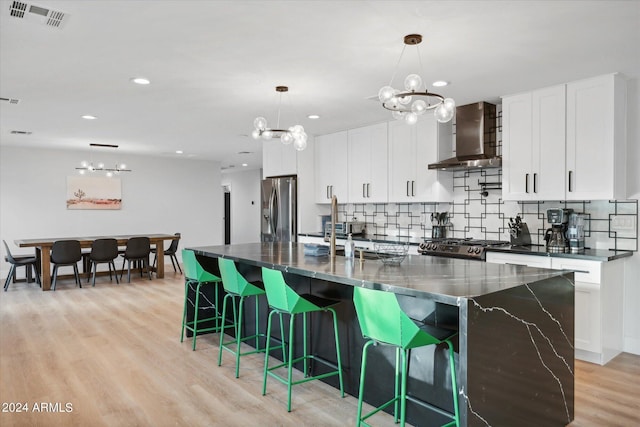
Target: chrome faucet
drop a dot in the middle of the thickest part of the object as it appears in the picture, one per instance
(334, 218)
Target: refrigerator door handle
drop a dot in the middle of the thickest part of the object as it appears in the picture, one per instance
(273, 209)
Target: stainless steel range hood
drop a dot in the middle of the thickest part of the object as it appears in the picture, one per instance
(475, 139)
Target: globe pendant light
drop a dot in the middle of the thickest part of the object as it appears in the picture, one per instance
(412, 102)
(294, 134)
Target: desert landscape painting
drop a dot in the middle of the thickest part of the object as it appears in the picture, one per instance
(93, 192)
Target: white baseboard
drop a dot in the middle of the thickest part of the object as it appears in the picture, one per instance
(631, 345)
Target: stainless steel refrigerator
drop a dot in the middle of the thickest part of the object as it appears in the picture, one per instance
(279, 209)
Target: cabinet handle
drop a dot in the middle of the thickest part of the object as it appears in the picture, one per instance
(364, 186)
(570, 179)
(328, 197)
(413, 188)
(526, 183)
(331, 191)
(535, 179)
(368, 193)
(407, 188)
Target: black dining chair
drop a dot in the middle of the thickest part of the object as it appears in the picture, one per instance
(64, 253)
(171, 253)
(29, 262)
(103, 251)
(138, 249)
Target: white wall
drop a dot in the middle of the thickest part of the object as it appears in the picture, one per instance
(245, 205)
(632, 272)
(161, 195)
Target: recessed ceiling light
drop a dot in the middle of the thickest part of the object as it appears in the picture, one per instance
(140, 80)
(313, 116)
(89, 117)
(179, 151)
(439, 83)
(245, 165)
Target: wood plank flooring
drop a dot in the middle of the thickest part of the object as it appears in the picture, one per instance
(111, 356)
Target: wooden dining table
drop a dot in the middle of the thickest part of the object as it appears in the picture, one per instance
(43, 250)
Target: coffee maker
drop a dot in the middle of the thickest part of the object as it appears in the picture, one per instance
(556, 236)
(575, 233)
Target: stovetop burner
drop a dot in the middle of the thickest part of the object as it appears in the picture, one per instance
(459, 247)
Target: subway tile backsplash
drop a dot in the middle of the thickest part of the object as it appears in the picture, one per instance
(484, 215)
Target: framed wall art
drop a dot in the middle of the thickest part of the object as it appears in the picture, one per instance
(94, 192)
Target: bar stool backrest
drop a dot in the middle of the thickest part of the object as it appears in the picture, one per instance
(66, 252)
(280, 296)
(193, 270)
(137, 247)
(231, 279)
(104, 250)
(382, 319)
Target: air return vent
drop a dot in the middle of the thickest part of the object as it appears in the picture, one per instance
(44, 16)
(10, 100)
(20, 132)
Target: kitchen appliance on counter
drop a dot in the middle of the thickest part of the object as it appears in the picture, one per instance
(575, 233)
(459, 248)
(556, 236)
(343, 229)
(519, 232)
(279, 209)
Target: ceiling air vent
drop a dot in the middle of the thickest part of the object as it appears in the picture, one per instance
(10, 100)
(48, 17)
(20, 132)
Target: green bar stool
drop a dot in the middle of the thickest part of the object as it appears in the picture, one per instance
(195, 274)
(235, 287)
(382, 321)
(284, 300)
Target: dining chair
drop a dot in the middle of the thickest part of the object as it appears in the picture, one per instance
(65, 253)
(103, 251)
(170, 252)
(138, 249)
(29, 262)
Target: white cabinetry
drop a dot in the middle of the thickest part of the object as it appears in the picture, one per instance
(330, 158)
(596, 138)
(566, 142)
(367, 171)
(278, 159)
(411, 149)
(533, 151)
(598, 301)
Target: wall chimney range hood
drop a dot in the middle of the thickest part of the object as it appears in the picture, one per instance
(475, 139)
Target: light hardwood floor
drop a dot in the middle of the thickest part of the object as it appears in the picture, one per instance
(113, 353)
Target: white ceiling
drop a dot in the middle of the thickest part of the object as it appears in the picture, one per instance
(214, 64)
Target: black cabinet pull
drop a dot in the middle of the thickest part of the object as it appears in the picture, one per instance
(328, 192)
(570, 179)
(413, 188)
(535, 179)
(364, 186)
(407, 188)
(526, 183)
(368, 193)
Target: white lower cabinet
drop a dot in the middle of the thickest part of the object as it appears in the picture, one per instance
(598, 335)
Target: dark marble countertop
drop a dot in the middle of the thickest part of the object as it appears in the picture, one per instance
(539, 250)
(589, 254)
(437, 278)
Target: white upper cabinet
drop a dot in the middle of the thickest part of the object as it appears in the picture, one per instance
(533, 132)
(278, 159)
(596, 138)
(566, 142)
(330, 157)
(411, 149)
(367, 170)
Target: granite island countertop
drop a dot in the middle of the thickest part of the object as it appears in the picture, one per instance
(438, 278)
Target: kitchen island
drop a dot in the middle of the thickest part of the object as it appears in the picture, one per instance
(515, 350)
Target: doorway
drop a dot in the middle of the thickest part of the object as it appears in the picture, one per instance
(227, 214)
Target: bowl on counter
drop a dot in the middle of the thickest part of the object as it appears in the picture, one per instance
(391, 253)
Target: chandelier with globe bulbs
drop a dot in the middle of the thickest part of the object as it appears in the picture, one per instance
(295, 134)
(413, 102)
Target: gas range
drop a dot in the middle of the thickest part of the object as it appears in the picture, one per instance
(459, 248)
